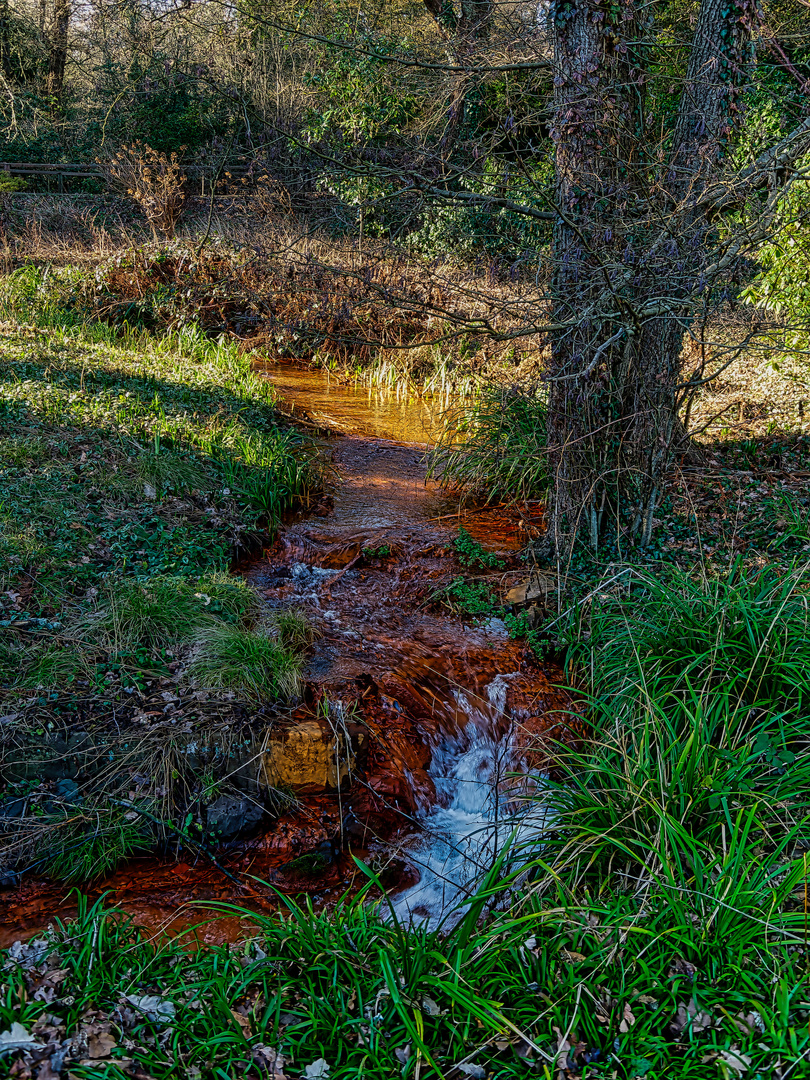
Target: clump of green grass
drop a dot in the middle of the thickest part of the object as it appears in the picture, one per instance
(495, 446)
(227, 596)
(744, 637)
(608, 985)
(294, 629)
(88, 843)
(697, 769)
(156, 612)
(50, 665)
(231, 657)
(269, 471)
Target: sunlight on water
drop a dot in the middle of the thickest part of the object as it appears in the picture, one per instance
(376, 412)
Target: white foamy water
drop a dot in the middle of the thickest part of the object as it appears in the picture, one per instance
(478, 809)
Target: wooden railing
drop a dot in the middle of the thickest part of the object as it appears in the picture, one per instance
(62, 171)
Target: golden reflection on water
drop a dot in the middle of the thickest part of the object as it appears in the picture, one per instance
(376, 412)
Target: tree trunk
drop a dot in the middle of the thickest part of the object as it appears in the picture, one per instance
(464, 32)
(596, 361)
(630, 247)
(57, 53)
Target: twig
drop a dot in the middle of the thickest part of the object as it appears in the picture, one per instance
(186, 839)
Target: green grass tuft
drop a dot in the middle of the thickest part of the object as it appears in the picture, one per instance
(294, 629)
(495, 447)
(250, 663)
(155, 613)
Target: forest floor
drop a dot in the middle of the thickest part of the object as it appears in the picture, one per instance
(661, 929)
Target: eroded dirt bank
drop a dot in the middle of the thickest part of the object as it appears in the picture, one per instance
(409, 708)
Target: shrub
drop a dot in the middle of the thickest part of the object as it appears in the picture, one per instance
(156, 183)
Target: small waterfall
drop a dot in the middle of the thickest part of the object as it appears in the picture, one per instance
(480, 805)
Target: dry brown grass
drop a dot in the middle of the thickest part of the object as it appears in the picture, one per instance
(62, 229)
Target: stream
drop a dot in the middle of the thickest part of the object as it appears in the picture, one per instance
(441, 719)
(477, 701)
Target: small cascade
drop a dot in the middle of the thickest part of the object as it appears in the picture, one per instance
(480, 806)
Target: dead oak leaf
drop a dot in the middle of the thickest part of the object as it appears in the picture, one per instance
(100, 1045)
(691, 1017)
(736, 1060)
(243, 1022)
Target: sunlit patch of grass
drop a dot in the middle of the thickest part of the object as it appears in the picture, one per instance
(167, 472)
(247, 662)
(226, 595)
(132, 470)
(24, 451)
(155, 612)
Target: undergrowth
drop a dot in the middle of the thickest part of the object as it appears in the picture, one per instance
(495, 446)
(613, 987)
(133, 471)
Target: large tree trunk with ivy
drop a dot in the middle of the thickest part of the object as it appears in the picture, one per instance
(632, 246)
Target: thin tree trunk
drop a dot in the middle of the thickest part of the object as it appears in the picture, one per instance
(464, 33)
(57, 55)
(5, 39)
(598, 124)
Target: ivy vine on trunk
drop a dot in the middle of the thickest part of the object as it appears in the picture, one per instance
(637, 253)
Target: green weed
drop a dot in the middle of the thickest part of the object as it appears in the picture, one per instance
(470, 553)
(232, 658)
(474, 598)
(495, 447)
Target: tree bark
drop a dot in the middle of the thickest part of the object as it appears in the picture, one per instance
(5, 39)
(57, 53)
(630, 248)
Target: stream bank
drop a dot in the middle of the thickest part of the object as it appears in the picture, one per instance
(412, 720)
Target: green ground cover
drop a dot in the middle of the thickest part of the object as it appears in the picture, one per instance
(655, 925)
(133, 472)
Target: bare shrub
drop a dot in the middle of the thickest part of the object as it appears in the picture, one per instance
(156, 183)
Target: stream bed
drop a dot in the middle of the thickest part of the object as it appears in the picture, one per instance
(435, 721)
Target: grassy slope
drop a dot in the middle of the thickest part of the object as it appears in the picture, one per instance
(123, 465)
(132, 471)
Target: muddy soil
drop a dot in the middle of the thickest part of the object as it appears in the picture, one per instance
(392, 668)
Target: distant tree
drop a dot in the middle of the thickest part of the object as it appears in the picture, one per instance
(57, 49)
